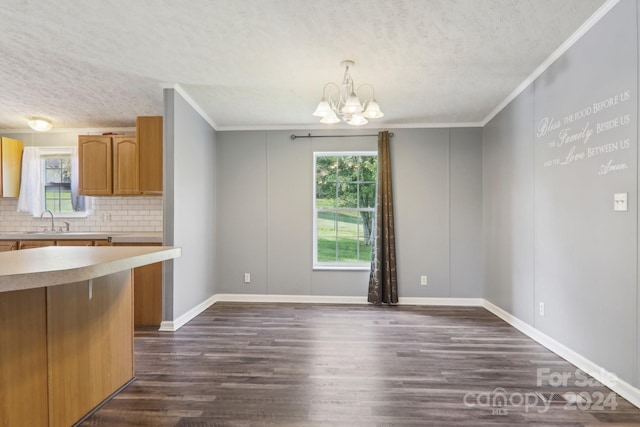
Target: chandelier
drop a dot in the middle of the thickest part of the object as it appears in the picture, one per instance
(342, 102)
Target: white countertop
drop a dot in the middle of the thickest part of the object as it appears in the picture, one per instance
(57, 265)
(132, 237)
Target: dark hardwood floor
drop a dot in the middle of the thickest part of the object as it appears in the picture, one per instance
(247, 364)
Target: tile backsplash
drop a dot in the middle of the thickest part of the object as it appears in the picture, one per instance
(109, 214)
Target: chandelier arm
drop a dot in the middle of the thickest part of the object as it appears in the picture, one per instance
(324, 89)
(366, 100)
(334, 95)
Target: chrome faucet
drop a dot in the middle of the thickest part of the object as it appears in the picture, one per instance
(50, 213)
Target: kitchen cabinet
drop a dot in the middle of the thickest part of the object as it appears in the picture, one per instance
(126, 161)
(10, 166)
(108, 165)
(12, 245)
(75, 243)
(29, 244)
(147, 279)
(149, 134)
(147, 291)
(95, 170)
(8, 245)
(122, 164)
(66, 332)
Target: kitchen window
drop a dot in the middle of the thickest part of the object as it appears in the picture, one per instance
(49, 182)
(344, 209)
(57, 184)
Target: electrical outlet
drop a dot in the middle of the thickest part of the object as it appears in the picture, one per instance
(541, 309)
(423, 280)
(247, 277)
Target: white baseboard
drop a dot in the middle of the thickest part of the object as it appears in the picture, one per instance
(459, 302)
(312, 299)
(609, 379)
(172, 326)
(325, 299)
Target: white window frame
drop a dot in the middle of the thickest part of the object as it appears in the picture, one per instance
(358, 266)
(57, 152)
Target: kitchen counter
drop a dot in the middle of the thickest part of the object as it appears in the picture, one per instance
(55, 265)
(136, 237)
(133, 237)
(66, 329)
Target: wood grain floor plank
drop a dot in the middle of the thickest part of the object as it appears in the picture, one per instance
(250, 364)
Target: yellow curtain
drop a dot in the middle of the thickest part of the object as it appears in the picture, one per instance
(383, 282)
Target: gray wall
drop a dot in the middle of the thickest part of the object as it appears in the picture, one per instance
(265, 204)
(189, 206)
(551, 234)
(465, 207)
(508, 208)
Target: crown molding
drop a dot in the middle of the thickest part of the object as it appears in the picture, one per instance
(564, 47)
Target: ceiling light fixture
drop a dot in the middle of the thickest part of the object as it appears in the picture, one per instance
(40, 124)
(343, 102)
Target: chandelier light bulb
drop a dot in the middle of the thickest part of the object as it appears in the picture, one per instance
(352, 105)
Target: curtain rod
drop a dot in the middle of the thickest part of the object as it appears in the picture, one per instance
(332, 136)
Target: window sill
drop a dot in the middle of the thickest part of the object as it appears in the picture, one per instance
(341, 268)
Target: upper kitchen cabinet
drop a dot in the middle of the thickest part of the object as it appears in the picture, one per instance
(95, 165)
(11, 166)
(122, 164)
(108, 165)
(126, 161)
(149, 134)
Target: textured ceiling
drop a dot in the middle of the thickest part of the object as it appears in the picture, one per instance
(262, 63)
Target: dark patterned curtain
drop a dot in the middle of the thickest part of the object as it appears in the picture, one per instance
(383, 282)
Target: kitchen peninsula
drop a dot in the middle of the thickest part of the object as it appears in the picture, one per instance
(66, 329)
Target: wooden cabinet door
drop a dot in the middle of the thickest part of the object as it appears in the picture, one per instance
(23, 358)
(75, 243)
(95, 170)
(11, 165)
(147, 294)
(149, 134)
(126, 155)
(8, 245)
(30, 244)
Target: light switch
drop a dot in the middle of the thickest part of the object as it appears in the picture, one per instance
(620, 202)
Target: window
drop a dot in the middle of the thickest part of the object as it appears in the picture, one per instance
(57, 184)
(344, 209)
(57, 180)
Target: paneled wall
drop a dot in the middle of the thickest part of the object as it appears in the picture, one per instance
(265, 213)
